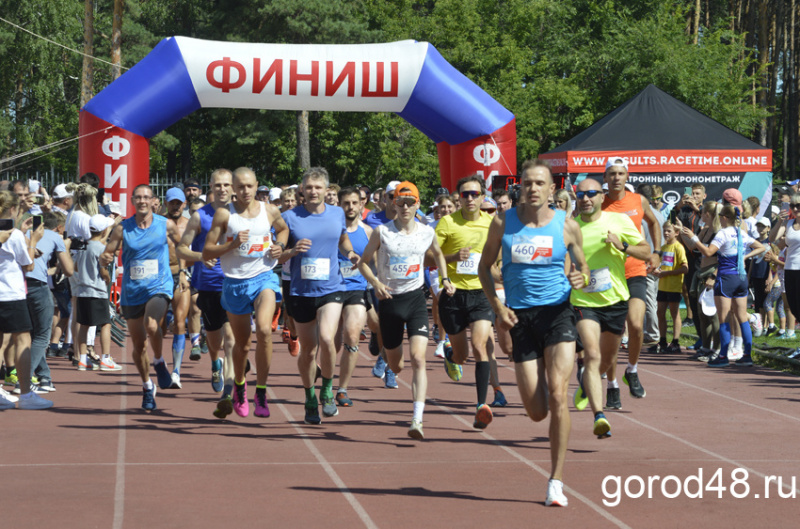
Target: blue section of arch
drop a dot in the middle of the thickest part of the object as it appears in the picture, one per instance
(151, 96)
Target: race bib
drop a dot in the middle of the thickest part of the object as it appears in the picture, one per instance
(315, 268)
(255, 248)
(405, 267)
(668, 259)
(599, 281)
(347, 270)
(536, 249)
(143, 269)
(470, 266)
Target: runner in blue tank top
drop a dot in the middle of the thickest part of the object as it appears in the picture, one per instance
(317, 232)
(535, 240)
(146, 284)
(356, 299)
(207, 282)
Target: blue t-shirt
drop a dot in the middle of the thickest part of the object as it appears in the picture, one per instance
(376, 219)
(353, 280)
(49, 243)
(533, 262)
(316, 273)
(203, 278)
(145, 261)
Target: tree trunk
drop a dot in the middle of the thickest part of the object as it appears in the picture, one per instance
(116, 39)
(763, 58)
(303, 146)
(87, 72)
(696, 22)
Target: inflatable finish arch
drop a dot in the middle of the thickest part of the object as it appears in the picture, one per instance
(472, 131)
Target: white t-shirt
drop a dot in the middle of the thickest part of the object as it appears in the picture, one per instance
(77, 225)
(792, 246)
(401, 256)
(752, 228)
(725, 240)
(13, 256)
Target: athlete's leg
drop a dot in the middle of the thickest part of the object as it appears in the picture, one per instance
(559, 359)
(636, 309)
(180, 308)
(264, 310)
(481, 330)
(138, 338)
(154, 312)
(589, 331)
(328, 321)
(240, 327)
(354, 317)
(419, 377)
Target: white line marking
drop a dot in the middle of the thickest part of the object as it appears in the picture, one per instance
(354, 503)
(119, 484)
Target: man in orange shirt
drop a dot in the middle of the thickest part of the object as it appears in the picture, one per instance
(620, 200)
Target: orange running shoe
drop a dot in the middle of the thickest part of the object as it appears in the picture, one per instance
(275, 319)
(286, 336)
(294, 346)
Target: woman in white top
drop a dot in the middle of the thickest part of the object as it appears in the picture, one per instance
(16, 257)
(786, 234)
(401, 246)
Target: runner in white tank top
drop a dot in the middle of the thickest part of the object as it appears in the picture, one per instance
(250, 258)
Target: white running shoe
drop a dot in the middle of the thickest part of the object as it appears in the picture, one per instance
(735, 353)
(108, 364)
(8, 396)
(439, 353)
(176, 381)
(32, 401)
(555, 494)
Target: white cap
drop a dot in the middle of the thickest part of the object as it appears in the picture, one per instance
(775, 210)
(765, 221)
(275, 194)
(60, 191)
(392, 186)
(99, 223)
(707, 302)
(616, 160)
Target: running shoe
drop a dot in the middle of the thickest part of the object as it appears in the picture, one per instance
(673, 348)
(632, 380)
(794, 354)
(439, 352)
(787, 336)
(53, 350)
(35, 388)
(294, 346)
(580, 400)
(415, 431)
(163, 375)
(275, 318)
(217, 379)
(176, 381)
(203, 344)
(32, 401)
(613, 401)
(108, 364)
(84, 365)
(624, 344)
(312, 415)
(262, 407)
(720, 361)
(149, 399)
(195, 354)
(435, 333)
(8, 396)
(735, 353)
(224, 407)
(5, 401)
(286, 336)
(362, 336)
(688, 323)
(390, 379)
(601, 426)
(379, 369)
(240, 404)
(94, 362)
(374, 350)
(483, 417)
(745, 361)
(342, 399)
(454, 371)
(772, 329)
(329, 408)
(499, 400)
(46, 385)
(555, 494)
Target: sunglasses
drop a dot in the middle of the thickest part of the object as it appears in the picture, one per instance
(405, 201)
(468, 194)
(796, 205)
(656, 198)
(591, 194)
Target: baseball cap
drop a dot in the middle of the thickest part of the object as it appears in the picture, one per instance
(405, 189)
(191, 182)
(707, 302)
(99, 223)
(765, 221)
(793, 182)
(262, 189)
(60, 191)
(173, 193)
(616, 160)
(490, 202)
(392, 185)
(275, 194)
(732, 196)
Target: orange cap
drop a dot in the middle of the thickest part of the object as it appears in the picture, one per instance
(406, 189)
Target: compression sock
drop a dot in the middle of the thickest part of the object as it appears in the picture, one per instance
(178, 345)
(195, 338)
(419, 407)
(482, 380)
(311, 398)
(747, 338)
(327, 388)
(725, 339)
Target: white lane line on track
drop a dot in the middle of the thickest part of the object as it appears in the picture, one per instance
(699, 448)
(592, 505)
(119, 484)
(717, 394)
(351, 499)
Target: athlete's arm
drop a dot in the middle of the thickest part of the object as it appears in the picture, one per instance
(113, 245)
(174, 237)
(281, 232)
(212, 249)
(655, 234)
(640, 251)
(346, 247)
(573, 240)
(756, 248)
(707, 251)
(438, 256)
(184, 247)
(374, 243)
(491, 250)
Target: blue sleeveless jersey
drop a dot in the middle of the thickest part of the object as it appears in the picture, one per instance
(533, 263)
(205, 279)
(145, 261)
(353, 280)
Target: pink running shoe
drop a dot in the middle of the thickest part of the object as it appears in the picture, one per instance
(240, 404)
(262, 408)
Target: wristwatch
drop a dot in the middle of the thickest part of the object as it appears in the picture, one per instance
(283, 246)
(659, 252)
(624, 247)
(446, 279)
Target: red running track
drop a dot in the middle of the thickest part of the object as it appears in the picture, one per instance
(97, 460)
